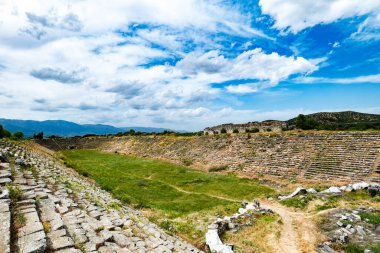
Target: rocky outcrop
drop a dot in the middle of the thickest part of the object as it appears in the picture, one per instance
(53, 209)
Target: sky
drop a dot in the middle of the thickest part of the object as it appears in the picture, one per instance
(187, 64)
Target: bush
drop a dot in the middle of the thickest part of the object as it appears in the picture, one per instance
(4, 132)
(252, 130)
(236, 131)
(218, 168)
(15, 193)
(38, 136)
(223, 131)
(18, 135)
(187, 161)
(306, 123)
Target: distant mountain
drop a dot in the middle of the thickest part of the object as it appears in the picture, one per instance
(341, 118)
(66, 128)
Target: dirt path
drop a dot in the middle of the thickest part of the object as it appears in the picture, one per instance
(298, 233)
(200, 193)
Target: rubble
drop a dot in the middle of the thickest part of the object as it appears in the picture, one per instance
(345, 226)
(233, 223)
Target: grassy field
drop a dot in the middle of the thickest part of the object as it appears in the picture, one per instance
(162, 186)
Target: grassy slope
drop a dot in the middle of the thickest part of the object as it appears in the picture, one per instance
(161, 186)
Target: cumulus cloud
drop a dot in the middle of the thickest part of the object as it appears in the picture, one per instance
(58, 75)
(128, 90)
(251, 64)
(295, 15)
(255, 64)
(195, 62)
(70, 21)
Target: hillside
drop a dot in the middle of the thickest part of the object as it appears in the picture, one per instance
(65, 128)
(346, 117)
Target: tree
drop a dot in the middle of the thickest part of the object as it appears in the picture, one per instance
(306, 123)
(38, 136)
(223, 131)
(4, 132)
(18, 135)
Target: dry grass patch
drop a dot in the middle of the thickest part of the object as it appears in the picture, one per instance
(256, 238)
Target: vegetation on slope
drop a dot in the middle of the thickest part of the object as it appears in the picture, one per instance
(336, 121)
(181, 200)
(160, 185)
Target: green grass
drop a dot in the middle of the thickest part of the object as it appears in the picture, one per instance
(163, 186)
(354, 248)
(373, 218)
(323, 207)
(297, 201)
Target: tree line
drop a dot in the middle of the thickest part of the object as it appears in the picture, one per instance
(4, 133)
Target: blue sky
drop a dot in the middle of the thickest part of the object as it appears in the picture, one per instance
(187, 64)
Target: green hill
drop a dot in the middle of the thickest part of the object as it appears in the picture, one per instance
(347, 120)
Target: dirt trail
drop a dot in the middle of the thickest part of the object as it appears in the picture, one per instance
(298, 233)
(200, 193)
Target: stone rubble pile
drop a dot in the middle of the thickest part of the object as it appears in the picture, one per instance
(5, 215)
(348, 226)
(232, 223)
(60, 211)
(372, 188)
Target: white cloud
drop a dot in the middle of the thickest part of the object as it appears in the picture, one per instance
(130, 61)
(296, 15)
(359, 79)
(242, 88)
(22, 22)
(210, 63)
(369, 29)
(255, 64)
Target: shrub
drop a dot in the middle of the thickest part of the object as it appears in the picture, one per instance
(47, 227)
(223, 131)
(236, 131)
(187, 161)
(38, 136)
(218, 168)
(18, 135)
(19, 221)
(306, 123)
(15, 193)
(4, 132)
(252, 130)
